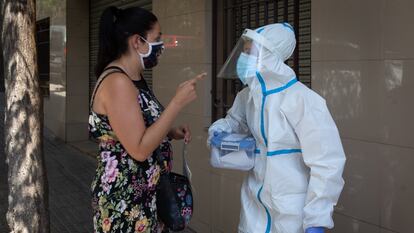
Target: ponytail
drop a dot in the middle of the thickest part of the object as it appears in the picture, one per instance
(107, 45)
(115, 27)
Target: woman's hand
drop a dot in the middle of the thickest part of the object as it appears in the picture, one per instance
(186, 91)
(181, 132)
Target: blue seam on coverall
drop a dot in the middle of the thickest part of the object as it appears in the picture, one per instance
(265, 94)
(269, 218)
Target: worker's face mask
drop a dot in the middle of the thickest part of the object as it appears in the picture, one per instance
(150, 59)
(246, 67)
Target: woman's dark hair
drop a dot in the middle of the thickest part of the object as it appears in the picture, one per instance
(115, 27)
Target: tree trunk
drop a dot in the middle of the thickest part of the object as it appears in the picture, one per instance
(1, 51)
(28, 202)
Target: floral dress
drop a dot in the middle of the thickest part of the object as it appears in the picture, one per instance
(124, 189)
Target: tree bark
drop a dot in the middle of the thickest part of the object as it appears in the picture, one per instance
(1, 51)
(28, 194)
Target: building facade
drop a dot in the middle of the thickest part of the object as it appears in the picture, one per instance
(356, 54)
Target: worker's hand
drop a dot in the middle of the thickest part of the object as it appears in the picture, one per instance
(315, 230)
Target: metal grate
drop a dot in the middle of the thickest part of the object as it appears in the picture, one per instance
(231, 17)
(96, 9)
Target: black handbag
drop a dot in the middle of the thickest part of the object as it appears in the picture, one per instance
(174, 197)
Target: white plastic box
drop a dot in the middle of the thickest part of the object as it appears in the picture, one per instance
(232, 151)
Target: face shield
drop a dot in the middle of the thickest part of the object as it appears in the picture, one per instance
(246, 58)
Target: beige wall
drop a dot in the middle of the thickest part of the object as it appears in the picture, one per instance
(363, 63)
(66, 109)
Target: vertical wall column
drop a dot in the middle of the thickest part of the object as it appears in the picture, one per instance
(77, 80)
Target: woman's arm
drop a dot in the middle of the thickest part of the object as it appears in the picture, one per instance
(120, 104)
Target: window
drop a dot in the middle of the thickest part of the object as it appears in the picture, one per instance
(231, 17)
(43, 54)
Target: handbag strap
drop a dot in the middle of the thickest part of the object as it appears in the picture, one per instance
(106, 72)
(186, 168)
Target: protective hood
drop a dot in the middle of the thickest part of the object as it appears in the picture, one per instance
(263, 50)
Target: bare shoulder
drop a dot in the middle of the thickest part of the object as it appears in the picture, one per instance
(117, 82)
(117, 89)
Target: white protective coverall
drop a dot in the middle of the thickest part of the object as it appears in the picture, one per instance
(297, 178)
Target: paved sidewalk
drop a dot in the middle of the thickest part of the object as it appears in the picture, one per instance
(70, 174)
(70, 170)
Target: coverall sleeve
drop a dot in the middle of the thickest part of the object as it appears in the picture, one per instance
(322, 152)
(235, 120)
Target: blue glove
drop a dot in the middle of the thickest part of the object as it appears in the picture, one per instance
(315, 230)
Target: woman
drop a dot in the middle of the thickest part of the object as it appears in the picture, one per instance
(131, 124)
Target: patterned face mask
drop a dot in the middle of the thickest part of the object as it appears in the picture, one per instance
(150, 59)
